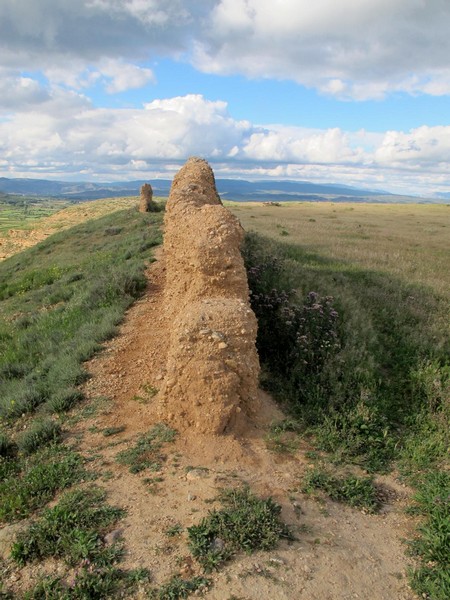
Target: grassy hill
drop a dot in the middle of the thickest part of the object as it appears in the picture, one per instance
(352, 303)
(353, 307)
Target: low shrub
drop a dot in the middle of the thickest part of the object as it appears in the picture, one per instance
(41, 433)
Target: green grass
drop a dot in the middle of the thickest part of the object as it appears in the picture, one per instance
(29, 483)
(90, 583)
(40, 433)
(74, 531)
(357, 492)
(109, 431)
(369, 382)
(179, 588)
(145, 454)
(245, 523)
(360, 380)
(432, 544)
(71, 531)
(17, 212)
(283, 436)
(60, 300)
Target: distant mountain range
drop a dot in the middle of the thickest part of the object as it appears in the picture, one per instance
(229, 189)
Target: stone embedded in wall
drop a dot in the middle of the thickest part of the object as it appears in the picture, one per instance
(212, 367)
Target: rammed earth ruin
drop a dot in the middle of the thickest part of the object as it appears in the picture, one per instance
(212, 365)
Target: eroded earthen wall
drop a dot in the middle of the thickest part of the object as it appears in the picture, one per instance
(212, 367)
(146, 203)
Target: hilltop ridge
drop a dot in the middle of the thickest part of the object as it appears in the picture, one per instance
(230, 189)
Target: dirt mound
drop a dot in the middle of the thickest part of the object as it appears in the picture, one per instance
(212, 365)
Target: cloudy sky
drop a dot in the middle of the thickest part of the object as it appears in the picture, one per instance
(349, 91)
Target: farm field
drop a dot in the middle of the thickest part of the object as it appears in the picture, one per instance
(19, 230)
(410, 241)
(24, 215)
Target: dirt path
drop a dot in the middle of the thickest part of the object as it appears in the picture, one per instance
(340, 553)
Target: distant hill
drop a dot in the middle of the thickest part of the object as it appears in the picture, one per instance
(443, 195)
(229, 189)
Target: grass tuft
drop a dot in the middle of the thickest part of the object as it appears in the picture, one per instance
(358, 492)
(29, 484)
(180, 588)
(41, 433)
(431, 579)
(69, 530)
(64, 400)
(244, 523)
(145, 454)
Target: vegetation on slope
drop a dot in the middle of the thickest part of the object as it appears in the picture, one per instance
(361, 361)
(60, 300)
(357, 353)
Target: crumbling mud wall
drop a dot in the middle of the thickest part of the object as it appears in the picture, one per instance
(146, 203)
(212, 366)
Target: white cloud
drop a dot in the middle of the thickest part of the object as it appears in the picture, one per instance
(165, 130)
(124, 76)
(422, 147)
(349, 49)
(67, 136)
(294, 144)
(18, 92)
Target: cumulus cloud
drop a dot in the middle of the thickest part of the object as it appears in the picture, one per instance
(422, 147)
(124, 76)
(18, 92)
(297, 145)
(76, 43)
(164, 130)
(356, 49)
(69, 137)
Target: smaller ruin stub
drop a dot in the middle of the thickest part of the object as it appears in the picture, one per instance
(146, 203)
(212, 367)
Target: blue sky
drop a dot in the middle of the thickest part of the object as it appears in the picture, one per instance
(354, 92)
(282, 101)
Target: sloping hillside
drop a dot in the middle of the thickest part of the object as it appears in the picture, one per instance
(61, 298)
